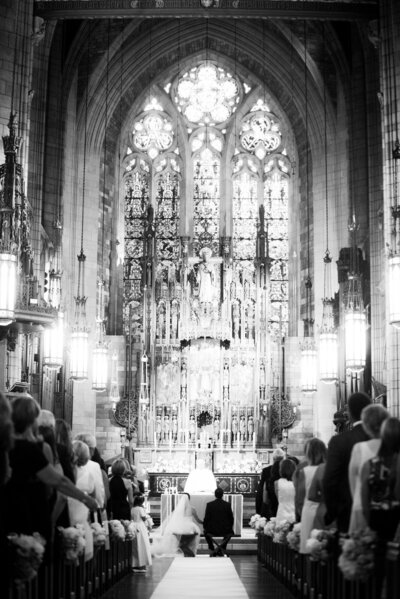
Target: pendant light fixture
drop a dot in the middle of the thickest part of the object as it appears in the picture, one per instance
(328, 339)
(100, 353)
(80, 329)
(308, 349)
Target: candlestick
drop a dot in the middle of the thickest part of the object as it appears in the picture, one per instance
(238, 443)
(221, 438)
(170, 442)
(254, 441)
(155, 440)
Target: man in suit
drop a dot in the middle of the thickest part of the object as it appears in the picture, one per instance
(336, 479)
(262, 503)
(218, 521)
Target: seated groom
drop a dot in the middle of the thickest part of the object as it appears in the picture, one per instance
(218, 521)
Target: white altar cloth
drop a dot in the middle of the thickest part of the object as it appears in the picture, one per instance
(199, 502)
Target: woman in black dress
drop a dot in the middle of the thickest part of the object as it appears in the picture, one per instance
(26, 500)
(121, 493)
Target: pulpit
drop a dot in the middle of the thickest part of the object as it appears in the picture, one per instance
(199, 502)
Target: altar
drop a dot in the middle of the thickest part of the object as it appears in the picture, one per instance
(199, 502)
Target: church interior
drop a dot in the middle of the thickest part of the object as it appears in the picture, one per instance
(200, 225)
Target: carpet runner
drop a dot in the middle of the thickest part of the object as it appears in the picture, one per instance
(201, 577)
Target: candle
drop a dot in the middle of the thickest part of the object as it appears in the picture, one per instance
(155, 440)
(254, 441)
(170, 442)
(221, 438)
(238, 443)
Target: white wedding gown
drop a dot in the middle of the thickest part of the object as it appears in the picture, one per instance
(179, 524)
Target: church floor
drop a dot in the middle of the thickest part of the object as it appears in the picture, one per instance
(258, 582)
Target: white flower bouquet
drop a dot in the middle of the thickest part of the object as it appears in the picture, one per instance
(321, 544)
(73, 542)
(28, 552)
(281, 530)
(357, 559)
(99, 534)
(293, 537)
(258, 522)
(269, 527)
(117, 530)
(149, 522)
(130, 529)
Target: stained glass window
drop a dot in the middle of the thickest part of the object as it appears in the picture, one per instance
(153, 133)
(206, 209)
(244, 209)
(167, 212)
(260, 134)
(207, 94)
(276, 196)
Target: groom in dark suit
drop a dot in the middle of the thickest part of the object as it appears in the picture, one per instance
(336, 478)
(218, 521)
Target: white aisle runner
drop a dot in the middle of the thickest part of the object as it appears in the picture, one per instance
(201, 577)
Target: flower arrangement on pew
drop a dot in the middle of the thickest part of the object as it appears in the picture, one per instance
(117, 530)
(281, 530)
(130, 529)
(27, 555)
(357, 560)
(99, 534)
(258, 522)
(293, 537)
(321, 544)
(73, 542)
(269, 528)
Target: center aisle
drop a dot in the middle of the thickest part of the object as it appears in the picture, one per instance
(210, 578)
(257, 581)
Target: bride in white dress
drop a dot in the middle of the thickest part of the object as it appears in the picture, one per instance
(179, 534)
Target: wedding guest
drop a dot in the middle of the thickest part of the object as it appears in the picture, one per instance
(372, 418)
(141, 556)
(64, 447)
(262, 502)
(100, 494)
(25, 493)
(336, 481)
(46, 423)
(6, 443)
(299, 488)
(270, 483)
(121, 493)
(315, 453)
(380, 505)
(79, 513)
(284, 490)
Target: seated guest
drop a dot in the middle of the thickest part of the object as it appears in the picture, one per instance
(218, 521)
(25, 492)
(372, 418)
(284, 490)
(121, 493)
(200, 480)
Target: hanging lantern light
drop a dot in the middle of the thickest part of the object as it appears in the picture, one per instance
(355, 326)
(308, 365)
(53, 340)
(394, 290)
(80, 331)
(114, 390)
(328, 340)
(8, 287)
(100, 353)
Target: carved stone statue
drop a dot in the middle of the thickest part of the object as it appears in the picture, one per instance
(206, 277)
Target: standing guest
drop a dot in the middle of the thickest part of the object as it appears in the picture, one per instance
(79, 513)
(121, 493)
(100, 493)
(299, 488)
(272, 499)
(64, 447)
(25, 493)
(141, 557)
(218, 521)
(336, 481)
(6, 443)
(372, 418)
(262, 503)
(284, 490)
(46, 423)
(315, 453)
(380, 505)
